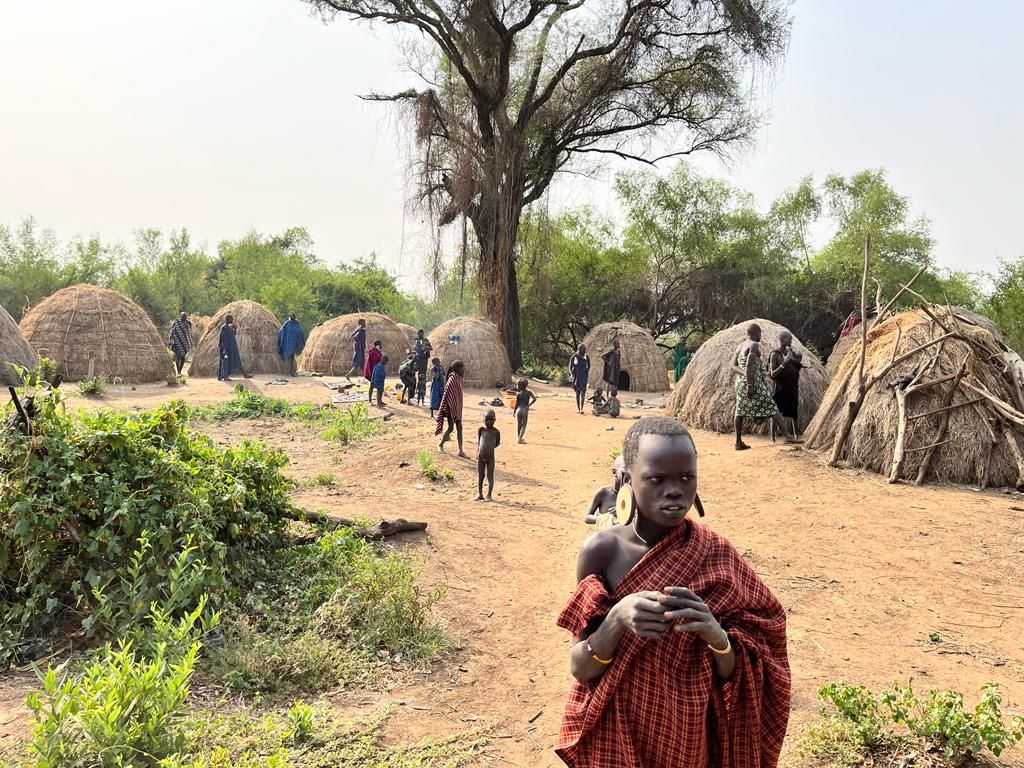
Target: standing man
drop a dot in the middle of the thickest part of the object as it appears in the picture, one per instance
(358, 349)
(784, 366)
(579, 372)
(612, 365)
(422, 350)
(180, 341)
(290, 341)
(678, 647)
(230, 358)
(753, 400)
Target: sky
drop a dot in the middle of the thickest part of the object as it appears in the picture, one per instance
(223, 116)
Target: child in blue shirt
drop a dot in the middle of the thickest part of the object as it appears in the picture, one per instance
(377, 381)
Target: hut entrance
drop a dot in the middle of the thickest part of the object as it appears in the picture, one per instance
(623, 381)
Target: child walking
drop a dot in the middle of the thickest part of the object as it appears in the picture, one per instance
(487, 439)
(436, 384)
(407, 375)
(524, 401)
(377, 381)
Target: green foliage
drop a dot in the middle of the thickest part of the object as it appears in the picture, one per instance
(339, 425)
(1006, 304)
(300, 721)
(325, 479)
(321, 614)
(535, 369)
(102, 514)
(126, 707)
(43, 372)
(429, 469)
(93, 387)
(861, 722)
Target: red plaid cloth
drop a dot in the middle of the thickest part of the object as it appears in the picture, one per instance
(660, 704)
(451, 402)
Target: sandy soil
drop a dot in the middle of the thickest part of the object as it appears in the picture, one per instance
(866, 570)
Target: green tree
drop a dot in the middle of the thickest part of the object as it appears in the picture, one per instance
(1006, 303)
(30, 267)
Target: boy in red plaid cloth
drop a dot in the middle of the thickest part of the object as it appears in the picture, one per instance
(679, 649)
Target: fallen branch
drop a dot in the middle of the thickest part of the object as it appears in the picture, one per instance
(944, 409)
(931, 447)
(379, 530)
(1005, 409)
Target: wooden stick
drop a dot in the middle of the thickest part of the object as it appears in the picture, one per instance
(899, 454)
(952, 407)
(864, 309)
(933, 382)
(931, 447)
(899, 293)
(1005, 409)
(940, 435)
(1015, 450)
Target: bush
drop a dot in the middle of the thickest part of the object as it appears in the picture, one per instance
(533, 368)
(429, 469)
(93, 387)
(102, 514)
(43, 372)
(127, 706)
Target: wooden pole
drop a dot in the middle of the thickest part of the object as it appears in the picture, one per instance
(947, 401)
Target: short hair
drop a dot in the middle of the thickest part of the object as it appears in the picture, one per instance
(436, 360)
(753, 327)
(522, 384)
(420, 331)
(361, 321)
(457, 366)
(490, 414)
(385, 359)
(229, 319)
(664, 426)
(377, 342)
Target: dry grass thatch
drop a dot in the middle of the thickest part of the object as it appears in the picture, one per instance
(705, 396)
(643, 363)
(14, 350)
(329, 346)
(980, 443)
(256, 329)
(409, 332)
(89, 331)
(477, 343)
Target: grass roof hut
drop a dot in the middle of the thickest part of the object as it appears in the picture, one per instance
(409, 332)
(705, 397)
(256, 329)
(477, 343)
(643, 367)
(90, 331)
(941, 402)
(14, 350)
(329, 346)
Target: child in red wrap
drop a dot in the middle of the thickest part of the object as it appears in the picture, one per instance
(679, 648)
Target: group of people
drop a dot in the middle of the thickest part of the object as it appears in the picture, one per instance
(771, 392)
(413, 372)
(290, 341)
(579, 375)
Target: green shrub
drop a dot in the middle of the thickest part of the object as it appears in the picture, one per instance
(43, 372)
(534, 368)
(300, 720)
(325, 479)
(97, 509)
(429, 469)
(94, 386)
(126, 708)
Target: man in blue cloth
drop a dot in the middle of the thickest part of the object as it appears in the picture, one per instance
(230, 359)
(290, 341)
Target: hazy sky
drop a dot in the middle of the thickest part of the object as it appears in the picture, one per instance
(223, 115)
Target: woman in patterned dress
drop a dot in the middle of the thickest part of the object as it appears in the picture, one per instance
(753, 400)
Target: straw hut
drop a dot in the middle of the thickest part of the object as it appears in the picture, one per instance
(478, 344)
(954, 430)
(410, 333)
(91, 331)
(14, 350)
(705, 396)
(256, 328)
(643, 366)
(329, 346)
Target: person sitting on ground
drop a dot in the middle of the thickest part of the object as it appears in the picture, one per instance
(373, 356)
(612, 407)
(597, 400)
(377, 380)
(752, 398)
(358, 349)
(230, 358)
(290, 341)
(436, 384)
(579, 372)
(450, 410)
(180, 340)
(487, 439)
(678, 647)
(602, 508)
(407, 375)
(524, 401)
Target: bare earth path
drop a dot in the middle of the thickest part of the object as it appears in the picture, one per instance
(867, 571)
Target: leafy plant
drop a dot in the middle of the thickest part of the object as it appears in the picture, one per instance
(300, 720)
(325, 479)
(43, 372)
(429, 469)
(94, 386)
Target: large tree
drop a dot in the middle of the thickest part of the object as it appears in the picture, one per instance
(515, 90)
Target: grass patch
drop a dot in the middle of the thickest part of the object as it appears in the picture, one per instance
(898, 727)
(93, 387)
(338, 425)
(429, 469)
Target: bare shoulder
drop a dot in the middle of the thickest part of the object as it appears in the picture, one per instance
(597, 552)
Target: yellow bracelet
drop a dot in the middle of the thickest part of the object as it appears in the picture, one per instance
(724, 651)
(597, 658)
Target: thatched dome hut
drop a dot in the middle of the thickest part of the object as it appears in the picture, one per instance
(14, 350)
(643, 366)
(705, 397)
(89, 331)
(256, 329)
(329, 346)
(477, 343)
(410, 333)
(977, 452)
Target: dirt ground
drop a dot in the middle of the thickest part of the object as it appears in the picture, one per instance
(867, 571)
